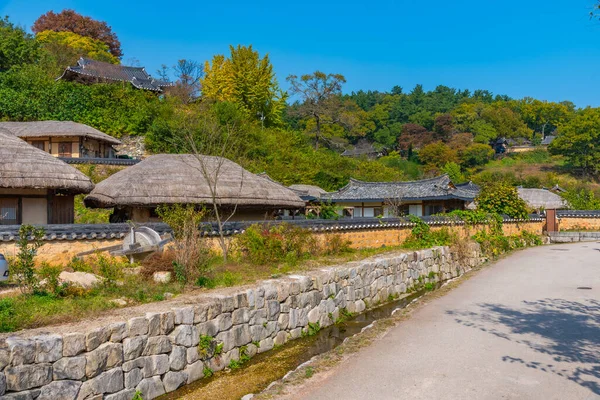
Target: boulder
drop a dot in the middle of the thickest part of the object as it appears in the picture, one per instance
(137, 326)
(105, 357)
(23, 377)
(157, 345)
(73, 344)
(69, 368)
(156, 365)
(95, 338)
(48, 348)
(151, 388)
(60, 390)
(107, 382)
(85, 280)
(22, 351)
(133, 377)
(126, 394)
(133, 347)
(174, 380)
(178, 358)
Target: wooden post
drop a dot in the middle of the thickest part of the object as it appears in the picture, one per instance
(551, 222)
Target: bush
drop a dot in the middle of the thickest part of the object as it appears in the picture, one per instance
(502, 198)
(422, 236)
(49, 274)
(111, 269)
(23, 267)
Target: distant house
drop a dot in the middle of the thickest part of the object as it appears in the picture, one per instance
(364, 149)
(547, 140)
(542, 199)
(516, 145)
(308, 192)
(136, 192)
(92, 71)
(426, 197)
(36, 188)
(65, 139)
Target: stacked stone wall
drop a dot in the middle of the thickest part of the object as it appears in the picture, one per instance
(578, 224)
(157, 353)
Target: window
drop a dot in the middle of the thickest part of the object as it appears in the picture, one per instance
(433, 209)
(64, 149)
(379, 211)
(9, 211)
(39, 144)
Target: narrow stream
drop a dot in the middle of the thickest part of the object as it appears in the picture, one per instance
(265, 368)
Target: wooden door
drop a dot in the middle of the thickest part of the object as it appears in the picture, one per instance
(65, 149)
(63, 210)
(551, 223)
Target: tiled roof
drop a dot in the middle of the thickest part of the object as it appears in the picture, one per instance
(137, 76)
(35, 129)
(439, 188)
(538, 198)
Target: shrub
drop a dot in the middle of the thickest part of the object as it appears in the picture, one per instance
(502, 198)
(422, 236)
(336, 244)
(23, 267)
(110, 268)
(49, 274)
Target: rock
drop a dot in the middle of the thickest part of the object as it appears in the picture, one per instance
(257, 333)
(60, 390)
(4, 357)
(22, 351)
(273, 308)
(360, 306)
(294, 315)
(210, 328)
(194, 371)
(161, 277)
(200, 313)
(265, 345)
(73, 344)
(184, 315)
(85, 280)
(151, 388)
(251, 350)
(133, 377)
(105, 357)
(178, 358)
(224, 321)
(107, 382)
(153, 324)
(214, 309)
(137, 326)
(24, 395)
(69, 368)
(226, 339)
(217, 363)
(96, 337)
(136, 363)
(2, 384)
(240, 316)
(126, 394)
(313, 315)
(281, 338)
(118, 331)
(241, 335)
(296, 333)
(184, 335)
(23, 377)
(133, 347)
(168, 295)
(157, 345)
(167, 322)
(118, 302)
(192, 355)
(283, 321)
(248, 396)
(48, 348)
(155, 365)
(173, 380)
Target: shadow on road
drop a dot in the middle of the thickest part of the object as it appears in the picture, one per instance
(568, 331)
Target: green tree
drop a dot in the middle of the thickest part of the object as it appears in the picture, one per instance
(17, 47)
(454, 172)
(579, 141)
(501, 198)
(437, 155)
(476, 154)
(248, 80)
(321, 98)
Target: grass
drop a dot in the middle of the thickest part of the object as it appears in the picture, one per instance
(33, 311)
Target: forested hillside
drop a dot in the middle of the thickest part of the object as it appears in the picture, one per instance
(296, 128)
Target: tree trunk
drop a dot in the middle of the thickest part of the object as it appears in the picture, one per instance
(318, 133)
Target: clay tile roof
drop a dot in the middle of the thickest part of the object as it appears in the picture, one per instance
(56, 129)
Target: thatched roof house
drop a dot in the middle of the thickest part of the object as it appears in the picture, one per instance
(542, 199)
(308, 192)
(64, 138)
(423, 197)
(178, 179)
(34, 186)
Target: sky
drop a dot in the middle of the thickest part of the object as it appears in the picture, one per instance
(548, 49)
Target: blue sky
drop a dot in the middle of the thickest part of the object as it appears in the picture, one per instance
(545, 49)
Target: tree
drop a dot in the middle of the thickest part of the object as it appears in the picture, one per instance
(437, 155)
(17, 47)
(579, 141)
(542, 116)
(320, 94)
(414, 136)
(188, 74)
(476, 154)
(247, 80)
(443, 127)
(71, 21)
(501, 198)
(67, 47)
(454, 172)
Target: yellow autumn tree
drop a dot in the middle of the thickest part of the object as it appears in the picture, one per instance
(246, 79)
(69, 44)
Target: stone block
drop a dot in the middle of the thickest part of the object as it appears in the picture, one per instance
(95, 338)
(314, 315)
(359, 306)
(184, 335)
(4, 357)
(2, 383)
(125, 394)
(69, 368)
(157, 345)
(118, 332)
(136, 363)
(167, 322)
(209, 328)
(240, 316)
(283, 321)
(265, 345)
(251, 350)
(217, 363)
(184, 315)
(259, 317)
(226, 339)
(272, 328)
(155, 365)
(200, 313)
(107, 356)
(137, 326)
(258, 333)
(224, 321)
(22, 351)
(60, 390)
(241, 335)
(154, 328)
(178, 358)
(23, 377)
(214, 309)
(73, 344)
(295, 333)
(194, 371)
(192, 355)
(273, 308)
(174, 380)
(133, 377)
(48, 348)
(251, 297)
(151, 388)
(280, 339)
(133, 347)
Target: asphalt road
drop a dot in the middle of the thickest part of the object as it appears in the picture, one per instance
(521, 329)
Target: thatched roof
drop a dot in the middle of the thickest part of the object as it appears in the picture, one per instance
(308, 190)
(541, 198)
(56, 129)
(178, 178)
(25, 167)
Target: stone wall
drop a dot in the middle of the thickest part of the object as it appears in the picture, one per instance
(578, 224)
(161, 351)
(61, 251)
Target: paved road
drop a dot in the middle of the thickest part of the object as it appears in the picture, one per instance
(520, 329)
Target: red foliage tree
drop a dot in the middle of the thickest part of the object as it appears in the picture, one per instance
(414, 136)
(443, 127)
(71, 21)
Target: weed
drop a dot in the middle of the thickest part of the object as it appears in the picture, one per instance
(137, 395)
(309, 371)
(206, 346)
(234, 364)
(244, 357)
(257, 344)
(207, 372)
(218, 349)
